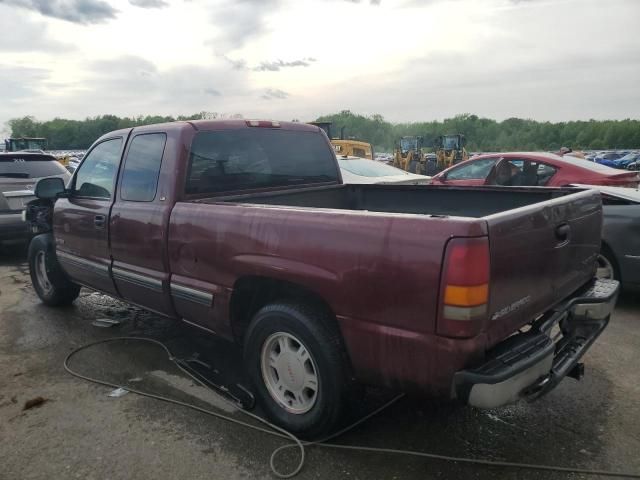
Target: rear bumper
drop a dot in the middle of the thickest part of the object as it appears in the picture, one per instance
(13, 228)
(530, 364)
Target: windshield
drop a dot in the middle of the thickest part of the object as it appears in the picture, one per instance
(18, 167)
(369, 168)
(450, 143)
(410, 143)
(258, 158)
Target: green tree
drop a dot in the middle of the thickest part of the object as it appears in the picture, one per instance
(482, 134)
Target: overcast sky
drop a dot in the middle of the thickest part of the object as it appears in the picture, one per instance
(408, 60)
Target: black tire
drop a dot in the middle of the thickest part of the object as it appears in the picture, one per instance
(61, 290)
(314, 329)
(607, 257)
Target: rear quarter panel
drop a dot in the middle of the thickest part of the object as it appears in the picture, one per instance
(382, 268)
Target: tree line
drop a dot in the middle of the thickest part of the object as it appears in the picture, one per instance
(482, 134)
(65, 134)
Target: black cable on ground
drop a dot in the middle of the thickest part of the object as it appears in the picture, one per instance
(279, 432)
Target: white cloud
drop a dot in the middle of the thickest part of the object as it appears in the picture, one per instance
(405, 59)
(76, 11)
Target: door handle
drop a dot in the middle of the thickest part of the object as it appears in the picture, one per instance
(99, 221)
(562, 232)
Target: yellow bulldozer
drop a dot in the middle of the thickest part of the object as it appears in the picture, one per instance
(409, 155)
(449, 150)
(346, 146)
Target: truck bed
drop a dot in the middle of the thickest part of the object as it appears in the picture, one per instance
(474, 202)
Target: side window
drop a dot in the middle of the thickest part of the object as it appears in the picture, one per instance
(96, 176)
(545, 173)
(142, 167)
(527, 173)
(473, 170)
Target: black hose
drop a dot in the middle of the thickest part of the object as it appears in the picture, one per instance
(279, 432)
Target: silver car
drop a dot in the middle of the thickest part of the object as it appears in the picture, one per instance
(19, 172)
(362, 170)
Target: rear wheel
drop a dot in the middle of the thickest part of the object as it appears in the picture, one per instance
(298, 366)
(49, 281)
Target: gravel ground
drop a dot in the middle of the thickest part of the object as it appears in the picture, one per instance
(81, 432)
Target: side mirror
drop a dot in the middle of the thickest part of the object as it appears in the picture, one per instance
(49, 188)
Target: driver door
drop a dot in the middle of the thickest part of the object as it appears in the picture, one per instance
(81, 220)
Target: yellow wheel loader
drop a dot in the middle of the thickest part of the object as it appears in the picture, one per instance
(346, 146)
(409, 155)
(449, 150)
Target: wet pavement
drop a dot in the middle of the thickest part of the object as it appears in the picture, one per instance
(81, 432)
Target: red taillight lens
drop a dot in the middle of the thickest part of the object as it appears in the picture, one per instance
(464, 287)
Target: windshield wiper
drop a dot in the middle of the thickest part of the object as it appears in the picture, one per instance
(15, 175)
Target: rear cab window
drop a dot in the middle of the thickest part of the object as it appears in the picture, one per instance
(258, 158)
(29, 166)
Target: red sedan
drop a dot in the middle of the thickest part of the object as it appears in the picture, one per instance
(533, 169)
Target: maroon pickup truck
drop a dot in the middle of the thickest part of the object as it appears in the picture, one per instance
(245, 230)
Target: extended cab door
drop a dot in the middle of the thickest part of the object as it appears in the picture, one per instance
(81, 221)
(138, 223)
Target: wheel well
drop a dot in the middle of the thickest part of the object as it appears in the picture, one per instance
(606, 249)
(251, 293)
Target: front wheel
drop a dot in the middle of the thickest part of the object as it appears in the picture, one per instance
(296, 361)
(49, 281)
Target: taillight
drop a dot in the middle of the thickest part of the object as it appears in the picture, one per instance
(464, 287)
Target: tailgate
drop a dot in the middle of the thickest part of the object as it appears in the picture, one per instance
(540, 254)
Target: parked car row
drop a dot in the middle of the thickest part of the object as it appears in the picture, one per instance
(614, 159)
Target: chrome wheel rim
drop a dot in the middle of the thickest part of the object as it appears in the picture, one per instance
(289, 372)
(605, 268)
(41, 273)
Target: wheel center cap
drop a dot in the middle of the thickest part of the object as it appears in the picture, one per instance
(291, 371)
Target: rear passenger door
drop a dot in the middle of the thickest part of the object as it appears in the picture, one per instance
(137, 226)
(81, 221)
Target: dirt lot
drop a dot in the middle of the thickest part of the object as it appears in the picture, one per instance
(80, 432)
